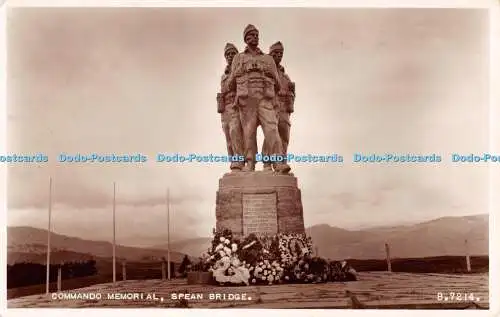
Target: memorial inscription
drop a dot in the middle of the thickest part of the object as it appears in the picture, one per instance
(260, 213)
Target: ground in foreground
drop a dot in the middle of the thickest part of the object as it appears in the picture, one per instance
(373, 290)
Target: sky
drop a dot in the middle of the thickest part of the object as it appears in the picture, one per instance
(131, 80)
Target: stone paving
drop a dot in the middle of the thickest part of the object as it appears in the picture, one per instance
(373, 290)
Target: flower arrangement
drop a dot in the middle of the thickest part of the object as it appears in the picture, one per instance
(293, 247)
(271, 259)
(341, 271)
(251, 250)
(226, 266)
(308, 270)
(267, 272)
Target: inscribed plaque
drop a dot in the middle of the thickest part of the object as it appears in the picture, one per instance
(260, 214)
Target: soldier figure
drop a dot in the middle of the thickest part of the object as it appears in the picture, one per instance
(230, 119)
(256, 79)
(285, 103)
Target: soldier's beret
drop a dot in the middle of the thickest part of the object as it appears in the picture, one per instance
(230, 46)
(276, 46)
(249, 28)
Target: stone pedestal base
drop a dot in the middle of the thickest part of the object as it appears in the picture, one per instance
(259, 202)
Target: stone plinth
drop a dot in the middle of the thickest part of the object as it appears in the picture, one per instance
(259, 202)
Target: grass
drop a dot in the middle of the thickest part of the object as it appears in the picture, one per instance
(135, 271)
(440, 264)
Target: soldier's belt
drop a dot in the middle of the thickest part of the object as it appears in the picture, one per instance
(256, 85)
(250, 82)
(259, 74)
(260, 81)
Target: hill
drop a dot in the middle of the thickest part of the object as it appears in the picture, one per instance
(30, 244)
(439, 237)
(193, 247)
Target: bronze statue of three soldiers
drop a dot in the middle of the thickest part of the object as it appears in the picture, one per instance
(255, 90)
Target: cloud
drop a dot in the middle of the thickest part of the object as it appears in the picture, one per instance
(186, 220)
(144, 81)
(67, 190)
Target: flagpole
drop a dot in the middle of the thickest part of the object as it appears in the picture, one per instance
(47, 281)
(168, 233)
(114, 232)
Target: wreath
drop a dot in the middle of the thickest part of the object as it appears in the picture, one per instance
(285, 257)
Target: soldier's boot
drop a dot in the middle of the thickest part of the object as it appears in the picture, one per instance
(282, 168)
(237, 166)
(267, 167)
(249, 167)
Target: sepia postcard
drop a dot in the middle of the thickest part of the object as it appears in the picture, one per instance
(257, 157)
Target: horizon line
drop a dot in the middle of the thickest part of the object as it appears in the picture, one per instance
(319, 224)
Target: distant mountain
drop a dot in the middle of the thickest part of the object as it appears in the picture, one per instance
(30, 244)
(443, 236)
(193, 247)
(146, 240)
(55, 257)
